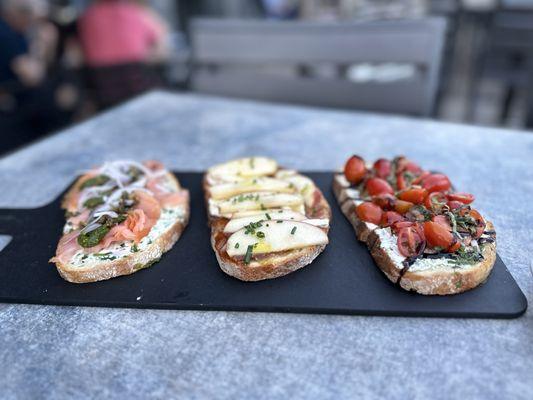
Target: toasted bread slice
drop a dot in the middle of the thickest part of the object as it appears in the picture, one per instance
(268, 265)
(126, 256)
(426, 276)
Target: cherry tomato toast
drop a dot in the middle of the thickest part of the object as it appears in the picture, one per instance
(424, 235)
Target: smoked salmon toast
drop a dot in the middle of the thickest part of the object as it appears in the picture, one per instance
(265, 221)
(120, 218)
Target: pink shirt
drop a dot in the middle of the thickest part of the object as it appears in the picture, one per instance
(116, 32)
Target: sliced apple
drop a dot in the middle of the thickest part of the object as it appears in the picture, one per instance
(261, 184)
(242, 214)
(303, 185)
(286, 215)
(218, 180)
(245, 167)
(259, 201)
(277, 236)
(284, 173)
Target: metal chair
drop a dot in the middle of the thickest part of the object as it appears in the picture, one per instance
(242, 58)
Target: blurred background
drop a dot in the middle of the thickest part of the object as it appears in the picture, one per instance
(62, 61)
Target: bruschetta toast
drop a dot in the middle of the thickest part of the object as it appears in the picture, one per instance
(120, 218)
(265, 221)
(422, 234)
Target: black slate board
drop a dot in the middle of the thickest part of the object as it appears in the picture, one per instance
(342, 280)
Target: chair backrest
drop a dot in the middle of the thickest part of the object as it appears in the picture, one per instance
(230, 58)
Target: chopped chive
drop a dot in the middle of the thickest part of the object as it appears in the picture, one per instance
(279, 222)
(237, 245)
(248, 255)
(293, 230)
(268, 216)
(260, 234)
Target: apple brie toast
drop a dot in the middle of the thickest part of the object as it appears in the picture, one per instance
(422, 234)
(265, 221)
(120, 218)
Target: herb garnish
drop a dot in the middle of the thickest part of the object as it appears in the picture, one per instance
(237, 245)
(268, 216)
(293, 230)
(248, 255)
(105, 256)
(240, 198)
(251, 227)
(93, 202)
(92, 238)
(260, 234)
(98, 180)
(463, 256)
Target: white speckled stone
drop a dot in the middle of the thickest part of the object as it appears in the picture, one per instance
(71, 352)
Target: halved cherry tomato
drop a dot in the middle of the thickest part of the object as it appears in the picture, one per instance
(420, 177)
(480, 221)
(435, 201)
(413, 167)
(404, 164)
(398, 226)
(443, 220)
(438, 235)
(410, 242)
(454, 204)
(390, 217)
(369, 212)
(382, 168)
(436, 183)
(355, 169)
(375, 186)
(386, 201)
(401, 184)
(402, 206)
(414, 195)
(465, 198)
(454, 247)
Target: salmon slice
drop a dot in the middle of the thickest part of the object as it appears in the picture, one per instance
(67, 247)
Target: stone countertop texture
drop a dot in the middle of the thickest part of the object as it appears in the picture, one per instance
(50, 352)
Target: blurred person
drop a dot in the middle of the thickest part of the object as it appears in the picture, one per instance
(121, 41)
(17, 64)
(28, 42)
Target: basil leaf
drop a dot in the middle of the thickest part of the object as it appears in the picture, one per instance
(94, 181)
(93, 237)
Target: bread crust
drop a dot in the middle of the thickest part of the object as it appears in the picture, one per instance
(126, 265)
(132, 263)
(450, 280)
(443, 281)
(274, 265)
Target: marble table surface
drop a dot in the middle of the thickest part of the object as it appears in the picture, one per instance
(51, 352)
